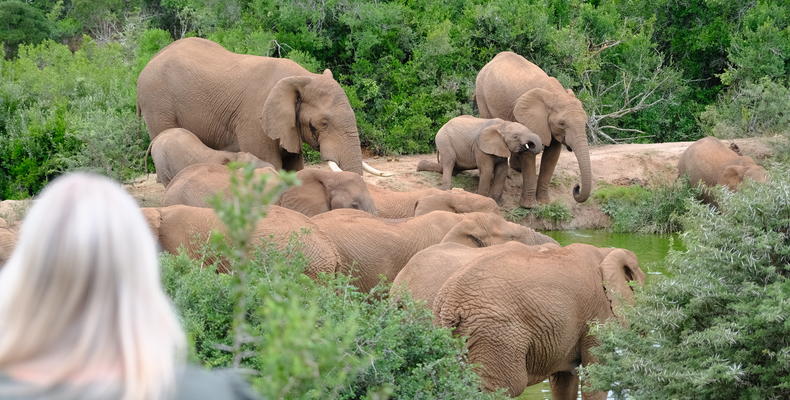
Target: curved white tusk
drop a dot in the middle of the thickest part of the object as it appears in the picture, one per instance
(334, 167)
(374, 171)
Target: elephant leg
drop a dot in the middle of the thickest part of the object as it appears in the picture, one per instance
(564, 385)
(249, 140)
(485, 166)
(448, 170)
(548, 161)
(529, 181)
(500, 174)
(587, 358)
(501, 363)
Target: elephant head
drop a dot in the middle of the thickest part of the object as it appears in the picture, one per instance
(508, 137)
(558, 115)
(322, 191)
(456, 201)
(620, 266)
(733, 175)
(486, 229)
(314, 109)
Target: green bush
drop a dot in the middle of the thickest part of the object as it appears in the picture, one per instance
(717, 327)
(303, 339)
(754, 108)
(555, 212)
(21, 23)
(654, 210)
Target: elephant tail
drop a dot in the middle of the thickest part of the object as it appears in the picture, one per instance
(139, 111)
(445, 312)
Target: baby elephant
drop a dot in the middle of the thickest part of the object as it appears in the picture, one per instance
(175, 149)
(712, 163)
(467, 142)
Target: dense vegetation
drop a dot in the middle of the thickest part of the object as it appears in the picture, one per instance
(644, 69)
(717, 328)
(301, 339)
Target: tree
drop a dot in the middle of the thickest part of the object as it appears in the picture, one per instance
(21, 23)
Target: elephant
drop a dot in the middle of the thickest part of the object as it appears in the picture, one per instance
(392, 204)
(526, 313)
(176, 148)
(197, 183)
(710, 162)
(189, 227)
(370, 247)
(323, 190)
(426, 271)
(514, 89)
(467, 142)
(261, 105)
(319, 192)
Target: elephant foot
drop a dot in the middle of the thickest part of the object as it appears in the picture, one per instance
(528, 203)
(544, 199)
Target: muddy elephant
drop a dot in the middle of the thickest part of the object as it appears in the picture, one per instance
(261, 105)
(514, 89)
(176, 148)
(371, 247)
(426, 271)
(467, 142)
(710, 162)
(323, 190)
(188, 227)
(393, 204)
(196, 184)
(526, 313)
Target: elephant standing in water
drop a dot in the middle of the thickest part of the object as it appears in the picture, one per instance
(526, 312)
(261, 105)
(514, 89)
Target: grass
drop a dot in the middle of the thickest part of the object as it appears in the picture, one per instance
(555, 212)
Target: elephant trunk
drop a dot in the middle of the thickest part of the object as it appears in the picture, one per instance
(582, 151)
(346, 153)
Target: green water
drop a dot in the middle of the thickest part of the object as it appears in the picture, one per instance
(649, 249)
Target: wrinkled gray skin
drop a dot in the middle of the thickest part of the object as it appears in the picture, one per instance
(261, 105)
(467, 142)
(514, 89)
(177, 148)
(426, 271)
(323, 190)
(526, 313)
(392, 204)
(371, 247)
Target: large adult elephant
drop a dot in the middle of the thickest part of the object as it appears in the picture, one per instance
(527, 313)
(262, 105)
(514, 89)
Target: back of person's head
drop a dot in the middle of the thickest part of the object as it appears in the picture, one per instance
(81, 299)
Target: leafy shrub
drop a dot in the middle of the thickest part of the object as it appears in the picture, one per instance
(555, 212)
(637, 209)
(717, 327)
(303, 339)
(754, 108)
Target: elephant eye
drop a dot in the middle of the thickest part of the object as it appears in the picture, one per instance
(355, 205)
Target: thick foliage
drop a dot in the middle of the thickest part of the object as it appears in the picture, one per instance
(638, 209)
(302, 339)
(718, 328)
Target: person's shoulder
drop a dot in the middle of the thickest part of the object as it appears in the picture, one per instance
(198, 383)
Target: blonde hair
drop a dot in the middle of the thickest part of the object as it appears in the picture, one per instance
(81, 295)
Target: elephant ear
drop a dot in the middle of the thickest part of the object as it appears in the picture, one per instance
(328, 74)
(279, 118)
(532, 111)
(618, 268)
(309, 198)
(732, 176)
(467, 232)
(434, 202)
(490, 141)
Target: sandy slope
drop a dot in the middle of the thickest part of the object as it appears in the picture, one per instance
(621, 164)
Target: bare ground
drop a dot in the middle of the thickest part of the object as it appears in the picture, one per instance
(621, 164)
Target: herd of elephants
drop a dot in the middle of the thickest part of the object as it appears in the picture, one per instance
(523, 301)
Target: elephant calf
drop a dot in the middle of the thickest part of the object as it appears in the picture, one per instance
(712, 163)
(176, 148)
(467, 142)
(392, 204)
(526, 313)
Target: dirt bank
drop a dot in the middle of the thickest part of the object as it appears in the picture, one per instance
(622, 164)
